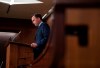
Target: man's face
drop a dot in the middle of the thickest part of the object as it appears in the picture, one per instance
(35, 21)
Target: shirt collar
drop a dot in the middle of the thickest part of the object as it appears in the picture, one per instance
(40, 23)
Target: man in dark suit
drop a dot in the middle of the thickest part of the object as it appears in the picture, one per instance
(42, 34)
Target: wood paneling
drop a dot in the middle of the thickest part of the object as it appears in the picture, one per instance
(24, 25)
(77, 56)
(18, 55)
(12, 56)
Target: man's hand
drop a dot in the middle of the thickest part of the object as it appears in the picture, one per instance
(34, 45)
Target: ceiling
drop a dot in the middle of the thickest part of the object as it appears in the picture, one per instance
(25, 11)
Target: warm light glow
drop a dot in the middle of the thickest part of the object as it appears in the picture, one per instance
(12, 2)
(7, 33)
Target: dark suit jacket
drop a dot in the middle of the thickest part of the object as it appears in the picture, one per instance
(41, 38)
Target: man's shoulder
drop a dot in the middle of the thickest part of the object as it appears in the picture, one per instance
(44, 24)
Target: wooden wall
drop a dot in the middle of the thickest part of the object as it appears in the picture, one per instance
(24, 25)
(78, 56)
(70, 19)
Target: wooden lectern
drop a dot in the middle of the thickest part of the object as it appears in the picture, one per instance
(19, 55)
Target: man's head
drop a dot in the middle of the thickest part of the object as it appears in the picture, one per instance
(36, 19)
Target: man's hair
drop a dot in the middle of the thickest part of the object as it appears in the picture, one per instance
(37, 15)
